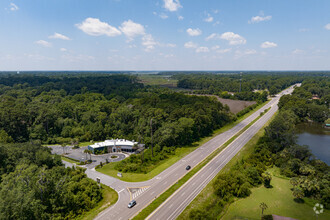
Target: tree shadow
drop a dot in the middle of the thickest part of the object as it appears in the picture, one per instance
(269, 187)
(299, 200)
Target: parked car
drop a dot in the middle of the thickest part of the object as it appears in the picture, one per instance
(188, 167)
(131, 204)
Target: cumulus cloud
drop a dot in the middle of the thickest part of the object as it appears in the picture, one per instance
(327, 26)
(63, 50)
(148, 42)
(250, 51)
(59, 36)
(258, 19)
(215, 47)
(202, 50)
(95, 27)
(163, 16)
(180, 18)
(298, 51)
(13, 7)
(43, 43)
(212, 36)
(190, 44)
(170, 45)
(234, 39)
(194, 32)
(172, 5)
(132, 29)
(268, 44)
(209, 18)
(224, 50)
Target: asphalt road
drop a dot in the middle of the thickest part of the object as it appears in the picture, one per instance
(145, 192)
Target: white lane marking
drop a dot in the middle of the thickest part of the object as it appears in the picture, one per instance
(121, 190)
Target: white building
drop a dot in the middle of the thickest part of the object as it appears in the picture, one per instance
(114, 145)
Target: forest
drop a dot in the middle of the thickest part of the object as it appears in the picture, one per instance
(35, 185)
(309, 177)
(242, 85)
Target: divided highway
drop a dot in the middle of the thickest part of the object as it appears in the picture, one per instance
(146, 192)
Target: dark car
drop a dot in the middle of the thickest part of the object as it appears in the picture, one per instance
(131, 204)
(188, 167)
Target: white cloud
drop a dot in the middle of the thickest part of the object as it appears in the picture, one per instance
(163, 16)
(224, 50)
(194, 32)
(303, 30)
(190, 44)
(215, 47)
(202, 50)
(258, 19)
(234, 39)
(95, 27)
(327, 26)
(209, 18)
(63, 50)
(298, 51)
(43, 43)
(170, 45)
(59, 36)
(250, 51)
(180, 18)
(132, 29)
(148, 42)
(268, 44)
(212, 36)
(172, 5)
(77, 58)
(13, 7)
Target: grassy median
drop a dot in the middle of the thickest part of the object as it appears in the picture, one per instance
(158, 201)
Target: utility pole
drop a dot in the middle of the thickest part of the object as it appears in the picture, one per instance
(240, 83)
(152, 150)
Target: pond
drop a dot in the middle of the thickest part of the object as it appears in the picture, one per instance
(317, 138)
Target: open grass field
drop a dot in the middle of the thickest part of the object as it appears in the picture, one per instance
(110, 197)
(109, 169)
(235, 106)
(158, 80)
(279, 200)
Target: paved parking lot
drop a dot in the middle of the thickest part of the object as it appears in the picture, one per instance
(78, 154)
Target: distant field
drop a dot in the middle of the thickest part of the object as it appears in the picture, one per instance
(235, 106)
(279, 200)
(158, 80)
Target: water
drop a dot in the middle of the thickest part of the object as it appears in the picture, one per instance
(317, 138)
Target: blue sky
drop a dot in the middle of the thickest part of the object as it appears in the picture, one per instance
(165, 35)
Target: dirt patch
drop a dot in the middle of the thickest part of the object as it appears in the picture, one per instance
(235, 106)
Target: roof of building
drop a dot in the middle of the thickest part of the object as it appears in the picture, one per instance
(113, 142)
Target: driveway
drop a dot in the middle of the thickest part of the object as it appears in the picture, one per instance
(78, 154)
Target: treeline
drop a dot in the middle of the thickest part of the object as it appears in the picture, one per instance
(309, 177)
(35, 185)
(224, 84)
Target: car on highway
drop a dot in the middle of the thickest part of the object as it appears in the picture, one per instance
(188, 167)
(131, 204)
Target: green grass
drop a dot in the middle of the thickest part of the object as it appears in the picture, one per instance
(110, 197)
(207, 194)
(157, 80)
(279, 200)
(69, 159)
(158, 201)
(109, 169)
(84, 144)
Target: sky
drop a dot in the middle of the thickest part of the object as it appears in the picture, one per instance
(164, 35)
